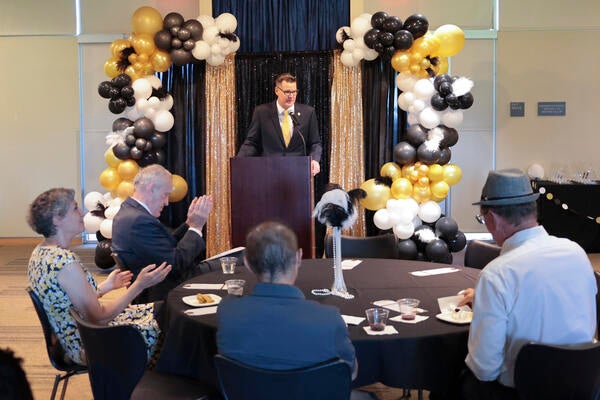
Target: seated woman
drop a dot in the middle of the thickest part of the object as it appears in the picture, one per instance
(58, 277)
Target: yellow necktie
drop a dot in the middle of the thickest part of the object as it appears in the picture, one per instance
(285, 128)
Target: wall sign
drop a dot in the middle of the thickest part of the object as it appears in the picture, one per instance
(517, 109)
(552, 108)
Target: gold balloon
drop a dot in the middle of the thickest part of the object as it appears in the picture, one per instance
(377, 195)
(117, 46)
(442, 66)
(401, 60)
(143, 44)
(111, 159)
(146, 20)
(180, 188)
(407, 170)
(161, 61)
(423, 180)
(401, 189)
(111, 67)
(440, 189)
(421, 193)
(133, 74)
(128, 169)
(452, 40)
(452, 174)
(390, 170)
(125, 189)
(436, 173)
(109, 179)
(423, 169)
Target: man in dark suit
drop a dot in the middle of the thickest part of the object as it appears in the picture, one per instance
(139, 238)
(284, 127)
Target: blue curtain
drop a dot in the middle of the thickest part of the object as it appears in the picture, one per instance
(286, 25)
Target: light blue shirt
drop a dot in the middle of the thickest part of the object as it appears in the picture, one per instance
(541, 288)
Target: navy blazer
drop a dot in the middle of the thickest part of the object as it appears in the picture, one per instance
(265, 138)
(140, 239)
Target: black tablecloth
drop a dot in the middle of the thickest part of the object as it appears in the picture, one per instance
(427, 355)
(576, 221)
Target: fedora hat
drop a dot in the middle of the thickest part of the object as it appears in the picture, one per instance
(506, 187)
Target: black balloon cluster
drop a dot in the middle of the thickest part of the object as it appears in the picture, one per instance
(389, 34)
(445, 97)
(102, 255)
(144, 144)
(119, 91)
(448, 239)
(417, 145)
(179, 37)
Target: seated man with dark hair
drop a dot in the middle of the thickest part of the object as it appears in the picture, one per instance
(275, 327)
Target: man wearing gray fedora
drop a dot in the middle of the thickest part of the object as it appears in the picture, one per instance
(541, 288)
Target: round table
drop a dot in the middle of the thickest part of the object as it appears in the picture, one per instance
(427, 355)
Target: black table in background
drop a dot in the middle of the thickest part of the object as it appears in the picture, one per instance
(577, 222)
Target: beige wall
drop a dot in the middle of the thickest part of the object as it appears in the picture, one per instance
(544, 53)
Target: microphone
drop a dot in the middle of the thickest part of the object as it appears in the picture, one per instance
(296, 123)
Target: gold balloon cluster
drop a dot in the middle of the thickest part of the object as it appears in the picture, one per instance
(419, 181)
(138, 56)
(428, 54)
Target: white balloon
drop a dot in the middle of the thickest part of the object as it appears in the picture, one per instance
(342, 33)
(142, 88)
(349, 44)
(429, 118)
(150, 112)
(107, 198)
(404, 216)
(412, 205)
(347, 59)
(424, 89)
(216, 59)
(412, 119)
(452, 119)
(115, 202)
(381, 219)
(201, 51)
(206, 20)
(223, 43)
(142, 105)
(359, 27)
(358, 54)
(371, 54)
(405, 100)
(154, 81)
(154, 102)
(418, 105)
(226, 23)
(106, 228)
(110, 212)
(92, 223)
(134, 113)
(215, 49)
(235, 45)
(404, 231)
(210, 34)
(91, 200)
(405, 81)
(430, 211)
(166, 103)
(163, 120)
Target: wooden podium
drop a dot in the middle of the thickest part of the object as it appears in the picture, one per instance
(272, 188)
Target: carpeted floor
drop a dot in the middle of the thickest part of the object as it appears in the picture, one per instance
(20, 328)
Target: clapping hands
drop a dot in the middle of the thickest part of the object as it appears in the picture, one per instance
(151, 274)
(198, 211)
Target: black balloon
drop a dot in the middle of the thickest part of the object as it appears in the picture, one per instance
(416, 135)
(135, 153)
(404, 153)
(450, 136)
(130, 140)
(173, 19)
(127, 92)
(174, 30)
(183, 34)
(121, 80)
(176, 44)
(437, 251)
(147, 159)
(445, 89)
(458, 243)
(446, 228)
(466, 100)
(416, 24)
(102, 256)
(403, 39)
(104, 89)
(158, 140)
(441, 79)
(100, 237)
(162, 39)
(121, 151)
(428, 155)
(445, 155)
(148, 145)
(189, 45)
(407, 249)
(452, 101)
(120, 124)
(130, 101)
(195, 28)
(161, 157)
(117, 106)
(386, 38)
(388, 52)
(378, 18)
(143, 128)
(371, 37)
(140, 143)
(379, 47)
(392, 24)
(438, 103)
(115, 93)
(181, 57)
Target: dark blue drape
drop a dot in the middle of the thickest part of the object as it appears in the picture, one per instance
(286, 25)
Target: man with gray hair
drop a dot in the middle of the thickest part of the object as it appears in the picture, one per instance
(139, 238)
(541, 288)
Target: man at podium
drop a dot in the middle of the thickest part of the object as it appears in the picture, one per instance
(284, 127)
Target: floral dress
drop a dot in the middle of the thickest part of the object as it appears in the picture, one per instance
(44, 265)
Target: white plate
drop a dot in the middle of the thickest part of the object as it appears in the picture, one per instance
(193, 300)
(448, 318)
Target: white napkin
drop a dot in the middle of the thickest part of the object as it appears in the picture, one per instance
(201, 311)
(394, 306)
(389, 330)
(206, 286)
(350, 320)
(435, 271)
(349, 264)
(418, 318)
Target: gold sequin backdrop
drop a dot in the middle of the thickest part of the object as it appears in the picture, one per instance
(347, 152)
(221, 131)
